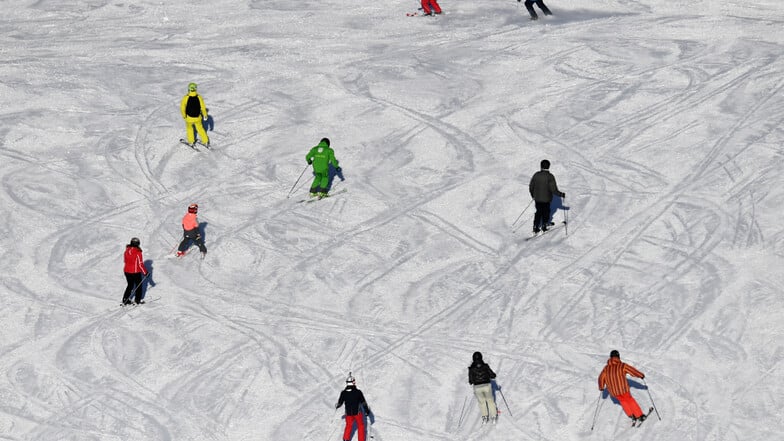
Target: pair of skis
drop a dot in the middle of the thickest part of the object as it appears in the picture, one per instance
(421, 13)
(193, 146)
(316, 199)
(136, 305)
(542, 233)
(186, 253)
(638, 422)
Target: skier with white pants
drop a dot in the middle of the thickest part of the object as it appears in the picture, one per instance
(481, 376)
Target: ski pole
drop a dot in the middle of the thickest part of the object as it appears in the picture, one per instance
(651, 397)
(133, 293)
(505, 403)
(332, 432)
(566, 222)
(598, 408)
(136, 288)
(462, 411)
(297, 181)
(523, 212)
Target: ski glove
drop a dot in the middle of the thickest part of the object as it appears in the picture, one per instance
(310, 162)
(563, 195)
(337, 405)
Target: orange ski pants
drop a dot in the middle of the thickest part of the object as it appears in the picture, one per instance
(629, 405)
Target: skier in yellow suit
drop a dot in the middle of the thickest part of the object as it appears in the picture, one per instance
(193, 111)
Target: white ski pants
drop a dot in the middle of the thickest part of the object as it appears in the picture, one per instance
(484, 395)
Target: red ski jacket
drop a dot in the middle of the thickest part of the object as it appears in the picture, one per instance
(134, 261)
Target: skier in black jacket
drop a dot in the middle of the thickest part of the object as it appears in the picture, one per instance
(354, 400)
(542, 188)
(480, 376)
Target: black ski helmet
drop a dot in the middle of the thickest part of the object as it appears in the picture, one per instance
(477, 356)
(135, 242)
(615, 354)
(545, 164)
(325, 140)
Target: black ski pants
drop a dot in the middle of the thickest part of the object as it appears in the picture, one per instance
(529, 4)
(542, 216)
(192, 236)
(134, 287)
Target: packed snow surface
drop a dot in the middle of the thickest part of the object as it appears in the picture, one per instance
(663, 121)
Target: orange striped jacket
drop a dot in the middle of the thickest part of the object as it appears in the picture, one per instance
(613, 376)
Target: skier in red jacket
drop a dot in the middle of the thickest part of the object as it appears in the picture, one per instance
(613, 377)
(134, 272)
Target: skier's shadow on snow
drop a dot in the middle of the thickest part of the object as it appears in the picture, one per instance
(497, 388)
(555, 205)
(148, 281)
(333, 172)
(208, 124)
(366, 417)
(203, 232)
(635, 385)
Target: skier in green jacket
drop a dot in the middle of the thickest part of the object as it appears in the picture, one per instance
(321, 157)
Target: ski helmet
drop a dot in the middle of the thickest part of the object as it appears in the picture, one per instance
(545, 164)
(350, 379)
(193, 208)
(192, 87)
(477, 356)
(135, 242)
(325, 141)
(615, 354)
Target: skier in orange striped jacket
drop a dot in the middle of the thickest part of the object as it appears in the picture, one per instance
(613, 377)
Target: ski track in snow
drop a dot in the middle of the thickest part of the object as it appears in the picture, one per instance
(663, 129)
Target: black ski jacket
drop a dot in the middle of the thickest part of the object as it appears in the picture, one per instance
(542, 186)
(480, 373)
(353, 398)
